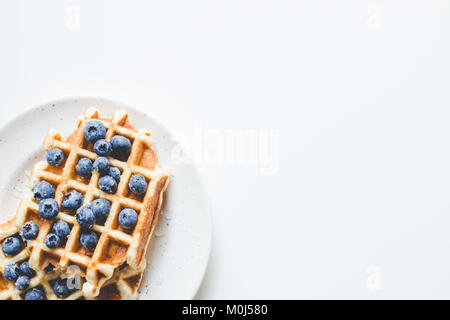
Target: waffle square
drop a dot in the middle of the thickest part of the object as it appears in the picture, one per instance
(42, 279)
(117, 247)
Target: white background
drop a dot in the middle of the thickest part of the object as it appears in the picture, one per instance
(358, 91)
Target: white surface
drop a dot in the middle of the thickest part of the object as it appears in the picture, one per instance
(179, 249)
(357, 89)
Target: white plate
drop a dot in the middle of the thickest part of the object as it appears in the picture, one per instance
(180, 246)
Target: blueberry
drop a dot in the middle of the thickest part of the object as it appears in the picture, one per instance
(107, 184)
(138, 184)
(60, 288)
(52, 240)
(84, 167)
(115, 173)
(101, 165)
(94, 130)
(61, 229)
(35, 294)
(11, 272)
(85, 217)
(101, 208)
(55, 157)
(121, 147)
(102, 147)
(48, 208)
(43, 190)
(22, 283)
(72, 200)
(89, 240)
(49, 268)
(128, 218)
(29, 230)
(26, 270)
(11, 246)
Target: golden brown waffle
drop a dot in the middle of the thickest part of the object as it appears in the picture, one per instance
(116, 246)
(122, 286)
(42, 279)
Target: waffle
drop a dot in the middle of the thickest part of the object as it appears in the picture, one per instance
(123, 285)
(117, 247)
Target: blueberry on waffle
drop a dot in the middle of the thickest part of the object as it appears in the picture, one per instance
(100, 247)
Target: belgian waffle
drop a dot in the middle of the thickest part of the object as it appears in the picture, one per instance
(123, 285)
(117, 247)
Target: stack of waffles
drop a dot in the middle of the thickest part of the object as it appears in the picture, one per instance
(114, 268)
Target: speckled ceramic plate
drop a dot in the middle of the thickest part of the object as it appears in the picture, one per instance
(179, 249)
